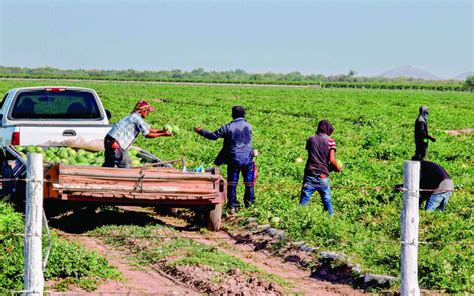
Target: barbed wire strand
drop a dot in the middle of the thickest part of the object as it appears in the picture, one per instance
(254, 184)
(49, 247)
(236, 238)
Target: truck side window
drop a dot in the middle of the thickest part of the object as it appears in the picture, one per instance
(1, 106)
(3, 101)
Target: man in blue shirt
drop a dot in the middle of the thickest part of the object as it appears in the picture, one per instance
(237, 153)
(124, 133)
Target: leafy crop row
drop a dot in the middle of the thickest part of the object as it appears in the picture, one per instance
(374, 135)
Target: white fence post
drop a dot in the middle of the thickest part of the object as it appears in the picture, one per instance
(409, 227)
(33, 273)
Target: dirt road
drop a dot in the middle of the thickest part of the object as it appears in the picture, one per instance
(154, 279)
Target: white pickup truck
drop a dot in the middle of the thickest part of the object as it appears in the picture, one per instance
(52, 117)
(46, 116)
(37, 115)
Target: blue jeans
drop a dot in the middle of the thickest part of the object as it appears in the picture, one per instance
(312, 183)
(233, 172)
(438, 201)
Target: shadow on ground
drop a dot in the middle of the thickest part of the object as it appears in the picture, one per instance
(80, 219)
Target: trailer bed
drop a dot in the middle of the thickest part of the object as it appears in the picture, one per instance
(140, 186)
(133, 185)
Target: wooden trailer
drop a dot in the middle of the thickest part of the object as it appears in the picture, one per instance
(140, 186)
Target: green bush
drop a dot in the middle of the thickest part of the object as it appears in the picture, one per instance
(68, 263)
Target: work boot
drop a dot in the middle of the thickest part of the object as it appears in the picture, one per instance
(231, 214)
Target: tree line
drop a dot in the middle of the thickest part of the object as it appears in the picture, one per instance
(238, 76)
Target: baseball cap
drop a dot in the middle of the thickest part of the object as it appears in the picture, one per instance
(142, 105)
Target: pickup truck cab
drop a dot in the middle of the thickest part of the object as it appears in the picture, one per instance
(36, 115)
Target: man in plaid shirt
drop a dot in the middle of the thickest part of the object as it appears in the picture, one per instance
(123, 134)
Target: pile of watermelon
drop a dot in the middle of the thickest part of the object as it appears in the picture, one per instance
(71, 156)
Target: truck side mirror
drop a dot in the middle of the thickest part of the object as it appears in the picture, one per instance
(108, 114)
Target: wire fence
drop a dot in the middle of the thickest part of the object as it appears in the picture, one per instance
(264, 186)
(236, 238)
(252, 184)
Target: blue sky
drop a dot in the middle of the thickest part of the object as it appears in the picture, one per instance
(328, 37)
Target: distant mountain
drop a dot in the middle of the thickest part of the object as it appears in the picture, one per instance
(410, 72)
(464, 75)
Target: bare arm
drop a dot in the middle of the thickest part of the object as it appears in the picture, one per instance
(155, 130)
(332, 160)
(154, 133)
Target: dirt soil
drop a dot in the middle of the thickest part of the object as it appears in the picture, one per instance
(300, 278)
(191, 280)
(466, 131)
(137, 281)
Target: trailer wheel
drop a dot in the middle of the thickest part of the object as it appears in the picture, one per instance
(215, 218)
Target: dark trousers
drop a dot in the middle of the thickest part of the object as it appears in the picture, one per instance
(233, 172)
(115, 157)
(420, 151)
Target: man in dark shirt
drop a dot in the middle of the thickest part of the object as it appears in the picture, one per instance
(438, 184)
(321, 154)
(237, 153)
(421, 134)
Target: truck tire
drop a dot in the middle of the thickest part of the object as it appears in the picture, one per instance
(12, 190)
(215, 218)
(8, 186)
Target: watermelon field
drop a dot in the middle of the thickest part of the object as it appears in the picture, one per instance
(374, 135)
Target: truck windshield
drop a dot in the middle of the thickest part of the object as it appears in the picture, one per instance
(66, 104)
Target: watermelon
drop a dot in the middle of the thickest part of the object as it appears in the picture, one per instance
(71, 152)
(81, 152)
(275, 220)
(175, 129)
(132, 152)
(339, 163)
(30, 149)
(63, 154)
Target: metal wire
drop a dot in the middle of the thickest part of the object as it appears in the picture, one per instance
(140, 181)
(48, 248)
(237, 238)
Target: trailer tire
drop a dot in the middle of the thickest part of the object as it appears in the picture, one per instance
(215, 218)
